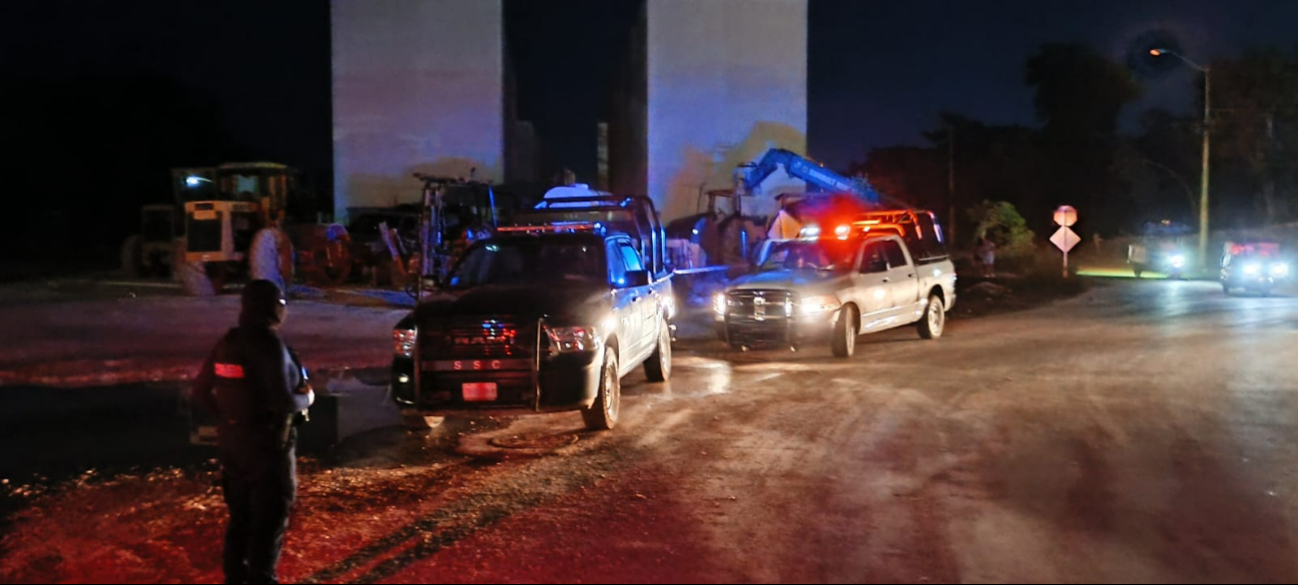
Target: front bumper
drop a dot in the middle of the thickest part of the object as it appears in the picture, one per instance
(562, 383)
(769, 332)
(1262, 282)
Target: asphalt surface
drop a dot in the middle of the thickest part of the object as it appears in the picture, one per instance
(1143, 432)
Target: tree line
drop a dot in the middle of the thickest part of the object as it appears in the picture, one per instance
(1079, 155)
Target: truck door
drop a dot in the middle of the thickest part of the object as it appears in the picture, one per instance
(903, 283)
(644, 291)
(629, 300)
(871, 283)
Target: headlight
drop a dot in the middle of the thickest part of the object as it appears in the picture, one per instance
(1279, 269)
(1252, 269)
(818, 304)
(1178, 260)
(403, 342)
(570, 339)
(719, 303)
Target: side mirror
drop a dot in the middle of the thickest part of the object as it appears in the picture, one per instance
(635, 278)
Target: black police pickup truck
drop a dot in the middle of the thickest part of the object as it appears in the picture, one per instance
(536, 319)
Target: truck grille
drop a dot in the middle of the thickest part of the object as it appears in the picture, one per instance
(485, 338)
(759, 305)
(500, 346)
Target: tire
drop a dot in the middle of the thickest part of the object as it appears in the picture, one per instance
(414, 421)
(133, 256)
(265, 258)
(845, 332)
(933, 323)
(192, 276)
(1138, 270)
(602, 415)
(658, 368)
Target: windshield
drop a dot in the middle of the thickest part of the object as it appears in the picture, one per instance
(811, 255)
(528, 261)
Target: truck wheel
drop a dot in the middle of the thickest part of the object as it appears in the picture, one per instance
(414, 421)
(934, 320)
(264, 258)
(192, 276)
(602, 415)
(845, 331)
(133, 256)
(658, 368)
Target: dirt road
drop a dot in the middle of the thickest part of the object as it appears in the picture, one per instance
(1146, 431)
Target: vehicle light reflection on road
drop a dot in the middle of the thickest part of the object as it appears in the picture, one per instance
(1116, 273)
(717, 379)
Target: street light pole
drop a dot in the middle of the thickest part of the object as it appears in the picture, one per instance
(1203, 180)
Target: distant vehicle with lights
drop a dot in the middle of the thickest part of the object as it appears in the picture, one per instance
(547, 315)
(1162, 248)
(884, 270)
(1255, 267)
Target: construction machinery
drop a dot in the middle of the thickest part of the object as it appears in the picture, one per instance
(829, 194)
(727, 235)
(454, 212)
(231, 220)
(720, 228)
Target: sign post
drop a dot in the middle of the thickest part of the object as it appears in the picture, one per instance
(1065, 239)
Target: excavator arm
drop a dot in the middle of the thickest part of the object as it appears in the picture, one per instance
(800, 167)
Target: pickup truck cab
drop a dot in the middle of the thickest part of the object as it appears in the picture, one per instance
(836, 287)
(536, 319)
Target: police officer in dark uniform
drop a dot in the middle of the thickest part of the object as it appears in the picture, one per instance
(257, 388)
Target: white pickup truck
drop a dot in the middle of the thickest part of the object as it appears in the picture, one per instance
(838, 287)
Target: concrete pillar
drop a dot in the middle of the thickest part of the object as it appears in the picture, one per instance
(727, 79)
(417, 87)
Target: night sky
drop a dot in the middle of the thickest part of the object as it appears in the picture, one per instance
(255, 76)
(880, 71)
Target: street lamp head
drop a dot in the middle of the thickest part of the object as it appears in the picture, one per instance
(1156, 52)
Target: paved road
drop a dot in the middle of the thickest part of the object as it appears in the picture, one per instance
(1146, 431)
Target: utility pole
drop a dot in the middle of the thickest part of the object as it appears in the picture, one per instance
(1203, 182)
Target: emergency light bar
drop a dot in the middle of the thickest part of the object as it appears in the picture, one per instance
(571, 227)
(865, 227)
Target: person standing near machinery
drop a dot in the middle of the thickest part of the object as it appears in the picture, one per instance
(785, 226)
(258, 390)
